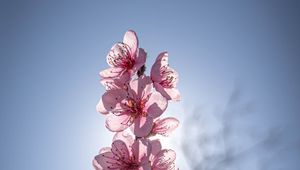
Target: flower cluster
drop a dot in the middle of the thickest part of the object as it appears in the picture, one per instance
(136, 101)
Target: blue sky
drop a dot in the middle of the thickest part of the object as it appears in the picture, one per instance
(51, 53)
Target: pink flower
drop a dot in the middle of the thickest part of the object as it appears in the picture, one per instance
(165, 78)
(134, 105)
(127, 153)
(124, 58)
(164, 126)
(164, 160)
(161, 159)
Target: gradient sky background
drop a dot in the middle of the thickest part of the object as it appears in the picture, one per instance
(51, 53)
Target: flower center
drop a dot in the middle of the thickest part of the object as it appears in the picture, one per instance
(132, 166)
(168, 77)
(120, 56)
(136, 108)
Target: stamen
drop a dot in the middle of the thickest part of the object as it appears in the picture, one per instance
(168, 77)
(136, 108)
(120, 56)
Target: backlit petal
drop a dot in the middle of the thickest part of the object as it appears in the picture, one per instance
(100, 108)
(111, 72)
(165, 126)
(173, 93)
(96, 165)
(162, 58)
(131, 39)
(142, 126)
(111, 98)
(117, 123)
(119, 148)
(141, 150)
(119, 56)
(141, 86)
(140, 60)
(105, 149)
(164, 159)
(116, 83)
(126, 137)
(156, 105)
(146, 166)
(108, 160)
(155, 148)
(161, 61)
(168, 93)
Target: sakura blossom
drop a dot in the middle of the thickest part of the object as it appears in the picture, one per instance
(165, 78)
(127, 153)
(119, 156)
(164, 126)
(132, 105)
(125, 59)
(161, 159)
(136, 106)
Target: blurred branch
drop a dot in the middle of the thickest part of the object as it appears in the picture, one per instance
(218, 140)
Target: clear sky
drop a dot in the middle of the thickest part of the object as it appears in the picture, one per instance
(232, 57)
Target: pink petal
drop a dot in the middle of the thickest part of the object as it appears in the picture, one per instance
(141, 86)
(164, 159)
(173, 93)
(161, 61)
(100, 108)
(165, 126)
(116, 123)
(126, 137)
(155, 148)
(141, 150)
(162, 74)
(169, 78)
(96, 165)
(175, 76)
(168, 93)
(111, 72)
(130, 38)
(119, 55)
(120, 150)
(142, 126)
(116, 83)
(108, 160)
(111, 99)
(146, 166)
(156, 105)
(140, 60)
(124, 77)
(146, 86)
(110, 83)
(105, 149)
(163, 58)
(170, 167)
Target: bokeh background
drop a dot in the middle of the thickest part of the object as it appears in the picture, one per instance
(239, 79)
